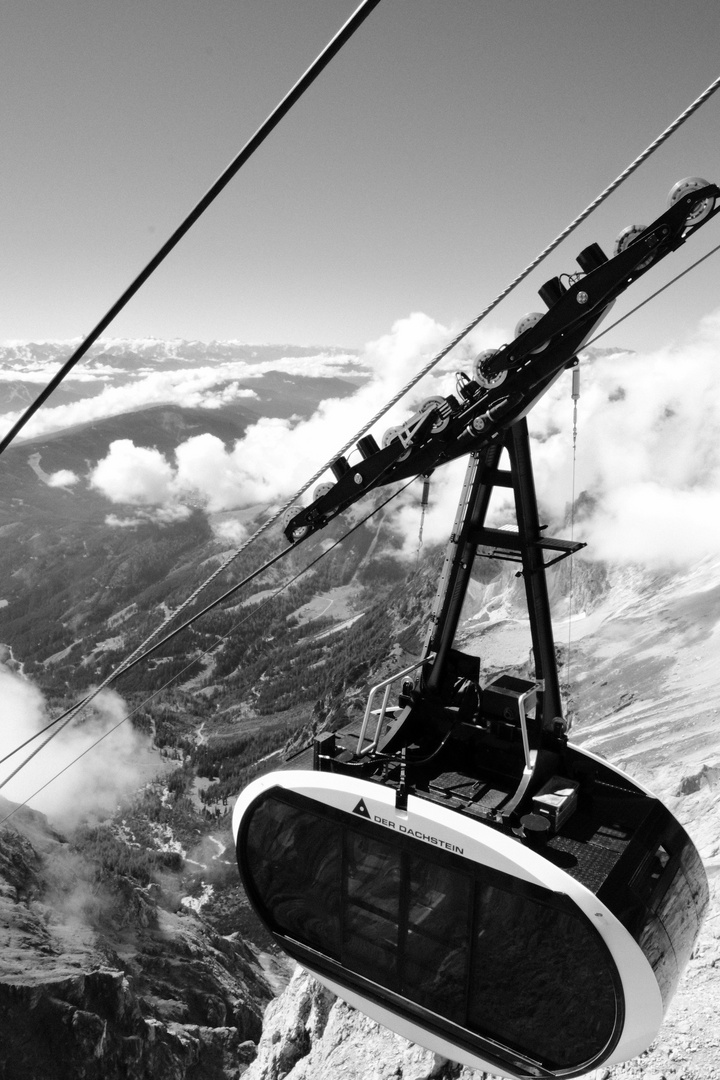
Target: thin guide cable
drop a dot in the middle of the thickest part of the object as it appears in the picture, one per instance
(260, 135)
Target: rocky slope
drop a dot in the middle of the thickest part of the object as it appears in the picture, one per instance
(101, 981)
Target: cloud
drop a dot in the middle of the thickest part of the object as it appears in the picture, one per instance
(210, 385)
(206, 387)
(405, 514)
(275, 456)
(648, 447)
(43, 372)
(157, 515)
(648, 450)
(132, 474)
(62, 478)
(656, 526)
(229, 530)
(94, 783)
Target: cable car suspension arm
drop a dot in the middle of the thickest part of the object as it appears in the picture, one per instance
(510, 381)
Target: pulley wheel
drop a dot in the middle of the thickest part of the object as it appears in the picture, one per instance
(322, 489)
(685, 187)
(627, 237)
(531, 319)
(488, 381)
(287, 517)
(390, 434)
(433, 403)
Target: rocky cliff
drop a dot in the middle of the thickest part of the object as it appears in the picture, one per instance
(311, 1035)
(99, 985)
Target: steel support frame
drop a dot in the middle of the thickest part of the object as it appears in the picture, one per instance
(469, 533)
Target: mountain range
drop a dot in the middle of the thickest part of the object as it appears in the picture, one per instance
(118, 376)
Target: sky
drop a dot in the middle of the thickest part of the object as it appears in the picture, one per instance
(446, 145)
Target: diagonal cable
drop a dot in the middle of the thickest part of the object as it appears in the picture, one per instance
(293, 95)
(651, 297)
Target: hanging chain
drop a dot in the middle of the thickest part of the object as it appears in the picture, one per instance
(423, 510)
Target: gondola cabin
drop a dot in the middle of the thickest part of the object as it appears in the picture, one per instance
(452, 864)
(543, 949)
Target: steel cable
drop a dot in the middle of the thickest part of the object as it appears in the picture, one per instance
(293, 95)
(650, 297)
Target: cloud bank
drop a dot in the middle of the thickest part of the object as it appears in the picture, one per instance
(91, 786)
(648, 451)
(275, 456)
(208, 385)
(648, 448)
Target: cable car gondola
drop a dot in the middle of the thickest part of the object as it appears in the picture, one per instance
(452, 864)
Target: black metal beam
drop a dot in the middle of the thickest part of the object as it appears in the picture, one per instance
(534, 574)
(527, 541)
(459, 558)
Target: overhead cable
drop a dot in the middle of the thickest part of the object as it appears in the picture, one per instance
(144, 649)
(343, 35)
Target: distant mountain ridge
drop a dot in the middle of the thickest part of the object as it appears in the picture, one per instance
(123, 376)
(120, 350)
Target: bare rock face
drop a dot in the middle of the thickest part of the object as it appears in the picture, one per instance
(166, 999)
(309, 1034)
(91, 1025)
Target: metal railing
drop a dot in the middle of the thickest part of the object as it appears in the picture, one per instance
(381, 712)
(529, 696)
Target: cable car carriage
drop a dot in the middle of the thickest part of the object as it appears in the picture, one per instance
(452, 864)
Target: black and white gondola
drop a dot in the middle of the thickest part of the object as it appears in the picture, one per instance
(452, 864)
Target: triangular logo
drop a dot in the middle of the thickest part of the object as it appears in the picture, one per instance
(362, 810)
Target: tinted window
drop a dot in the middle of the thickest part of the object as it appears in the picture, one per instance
(504, 960)
(435, 954)
(295, 859)
(539, 978)
(372, 912)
